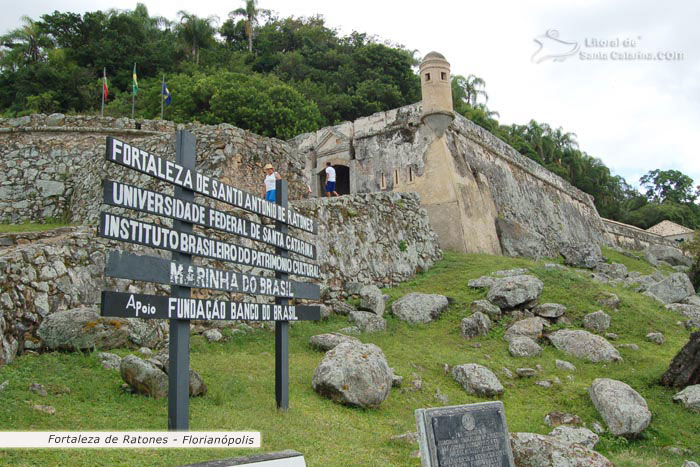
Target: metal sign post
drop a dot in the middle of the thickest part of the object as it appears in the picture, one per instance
(179, 348)
(281, 327)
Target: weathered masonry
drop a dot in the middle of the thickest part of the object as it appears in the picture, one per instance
(481, 195)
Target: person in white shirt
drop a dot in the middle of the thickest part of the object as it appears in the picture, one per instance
(330, 180)
(271, 182)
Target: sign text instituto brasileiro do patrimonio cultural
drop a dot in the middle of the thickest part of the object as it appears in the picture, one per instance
(181, 274)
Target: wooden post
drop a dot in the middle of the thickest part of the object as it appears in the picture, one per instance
(179, 348)
(282, 327)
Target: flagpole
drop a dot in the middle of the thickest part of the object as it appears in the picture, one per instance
(162, 97)
(104, 78)
(133, 94)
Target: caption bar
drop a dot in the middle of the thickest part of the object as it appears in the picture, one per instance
(129, 439)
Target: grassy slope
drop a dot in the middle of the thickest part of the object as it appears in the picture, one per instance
(240, 375)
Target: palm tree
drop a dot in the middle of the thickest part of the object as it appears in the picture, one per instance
(27, 42)
(250, 14)
(489, 113)
(196, 33)
(468, 89)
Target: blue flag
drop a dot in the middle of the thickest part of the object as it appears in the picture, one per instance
(166, 94)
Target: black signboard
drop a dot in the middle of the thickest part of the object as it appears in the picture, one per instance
(182, 275)
(464, 436)
(151, 269)
(129, 230)
(129, 305)
(142, 161)
(139, 199)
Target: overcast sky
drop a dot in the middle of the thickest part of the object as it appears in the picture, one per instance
(636, 115)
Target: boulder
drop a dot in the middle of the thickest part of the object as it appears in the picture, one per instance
(477, 380)
(354, 374)
(554, 419)
(598, 321)
(525, 372)
(342, 308)
(528, 327)
(575, 435)
(419, 307)
(149, 333)
(160, 362)
(672, 289)
(685, 367)
(39, 389)
(197, 387)
(613, 271)
(656, 338)
(669, 254)
(144, 377)
(82, 329)
(691, 312)
(212, 335)
(325, 342)
(510, 292)
(549, 310)
(624, 411)
(367, 321)
(478, 324)
(520, 346)
(691, 300)
(109, 361)
(535, 450)
(564, 365)
(586, 255)
(516, 240)
(372, 299)
(486, 307)
(689, 397)
(608, 300)
(583, 344)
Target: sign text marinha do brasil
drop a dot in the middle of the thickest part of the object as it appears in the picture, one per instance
(181, 274)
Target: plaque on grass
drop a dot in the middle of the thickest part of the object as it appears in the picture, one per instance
(471, 435)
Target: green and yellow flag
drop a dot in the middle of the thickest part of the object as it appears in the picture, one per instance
(135, 83)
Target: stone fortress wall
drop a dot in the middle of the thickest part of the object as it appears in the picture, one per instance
(633, 238)
(481, 195)
(509, 203)
(52, 165)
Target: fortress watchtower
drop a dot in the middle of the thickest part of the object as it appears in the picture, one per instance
(437, 92)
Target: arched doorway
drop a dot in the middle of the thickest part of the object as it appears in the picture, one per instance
(342, 180)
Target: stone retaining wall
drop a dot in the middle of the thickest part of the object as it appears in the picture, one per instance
(631, 237)
(380, 238)
(53, 165)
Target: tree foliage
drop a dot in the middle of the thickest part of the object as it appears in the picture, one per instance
(55, 64)
(669, 186)
(281, 77)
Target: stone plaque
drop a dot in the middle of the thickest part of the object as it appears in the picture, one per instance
(471, 435)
